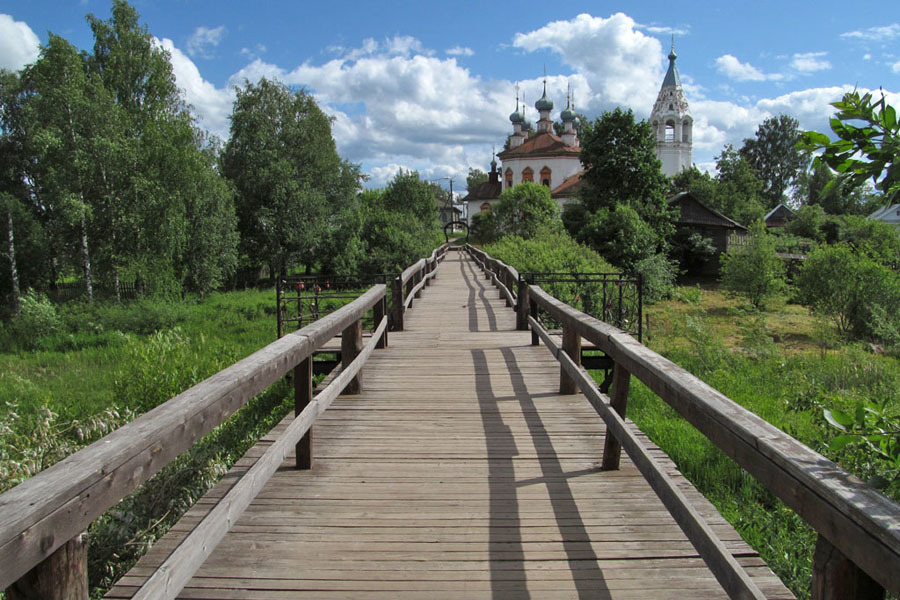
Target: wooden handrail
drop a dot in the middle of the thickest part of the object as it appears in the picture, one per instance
(45, 511)
(856, 520)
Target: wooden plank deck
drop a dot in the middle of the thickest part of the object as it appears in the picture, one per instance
(459, 472)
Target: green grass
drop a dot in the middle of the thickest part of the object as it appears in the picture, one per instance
(775, 364)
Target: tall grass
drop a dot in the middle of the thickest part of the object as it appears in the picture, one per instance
(789, 390)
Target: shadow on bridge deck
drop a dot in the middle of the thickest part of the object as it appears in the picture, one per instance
(458, 472)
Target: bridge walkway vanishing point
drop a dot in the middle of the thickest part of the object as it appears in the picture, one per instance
(458, 472)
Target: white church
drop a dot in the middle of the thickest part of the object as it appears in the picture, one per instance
(553, 160)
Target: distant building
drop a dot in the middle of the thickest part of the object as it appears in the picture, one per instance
(888, 214)
(545, 158)
(779, 216)
(672, 123)
(696, 217)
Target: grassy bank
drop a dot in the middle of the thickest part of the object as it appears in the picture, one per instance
(784, 366)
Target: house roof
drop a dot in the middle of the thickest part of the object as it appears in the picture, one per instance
(776, 210)
(570, 187)
(542, 144)
(888, 214)
(701, 214)
(486, 191)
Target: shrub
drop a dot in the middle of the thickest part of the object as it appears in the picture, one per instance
(753, 270)
(658, 275)
(859, 295)
(525, 209)
(37, 319)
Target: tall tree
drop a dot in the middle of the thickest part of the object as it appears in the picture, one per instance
(740, 191)
(525, 209)
(283, 163)
(625, 191)
(475, 178)
(775, 157)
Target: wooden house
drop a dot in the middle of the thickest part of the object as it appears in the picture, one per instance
(779, 216)
(693, 216)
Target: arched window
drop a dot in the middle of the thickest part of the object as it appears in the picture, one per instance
(545, 176)
(527, 175)
(486, 207)
(508, 177)
(670, 131)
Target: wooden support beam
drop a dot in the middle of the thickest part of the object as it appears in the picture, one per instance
(533, 311)
(61, 576)
(397, 306)
(303, 395)
(835, 577)
(351, 345)
(618, 400)
(571, 345)
(378, 312)
(523, 305)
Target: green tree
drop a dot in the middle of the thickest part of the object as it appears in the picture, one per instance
(475, 178)
(775, 156)
(400, 223)
(808, 222)
(861, 153)
(739, 195)
(283, 164)
(876, 239)
(857, 293)
(624, 196)
(753, 270)
(525, 209)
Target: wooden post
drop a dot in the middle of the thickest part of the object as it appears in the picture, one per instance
(60, 576)
(303, 395)
(522, 306)
(533, 310)
(571, 344)
(618, 399)
(418, 278)
(378, 312)
(429, 267)
(351, 345)
(835, 577)
(397, 304)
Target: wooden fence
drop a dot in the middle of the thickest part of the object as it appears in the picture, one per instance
(858, 548)
(42, 520)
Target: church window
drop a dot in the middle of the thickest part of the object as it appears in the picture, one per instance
(545, 176)
(670, 132)
(486, 207)
(527, 175)
(508, 176)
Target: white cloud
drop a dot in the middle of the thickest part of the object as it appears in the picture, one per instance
(204, 40)
(19, 45)
(460, 51)
(620, 64)
(867, 56)
(254, 53)
(211, 105)
(875, 34)
(733, 68)
(809, 62)
(896, 67)
(656, 29)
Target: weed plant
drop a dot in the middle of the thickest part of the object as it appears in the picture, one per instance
(789, 390)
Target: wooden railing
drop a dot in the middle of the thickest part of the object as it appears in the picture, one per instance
(408, 285)
(42, 520)
(858, 549)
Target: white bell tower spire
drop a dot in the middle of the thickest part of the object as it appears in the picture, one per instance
(672, 122)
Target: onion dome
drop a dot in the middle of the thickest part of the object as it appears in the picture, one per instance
(544, 103)
(568, 115)
(516, 117)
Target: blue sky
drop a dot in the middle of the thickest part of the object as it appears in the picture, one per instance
(429, 86)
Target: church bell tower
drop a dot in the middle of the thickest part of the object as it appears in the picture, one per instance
(672, 122)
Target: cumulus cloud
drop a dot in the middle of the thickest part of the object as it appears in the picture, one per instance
(733, 68)
(204, 40)
(19, 45)
(810, 62)
(621, 64)
(212, 105)
(882, 33)
(460, 51)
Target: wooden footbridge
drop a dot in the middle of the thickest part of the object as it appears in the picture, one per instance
(465, 460)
